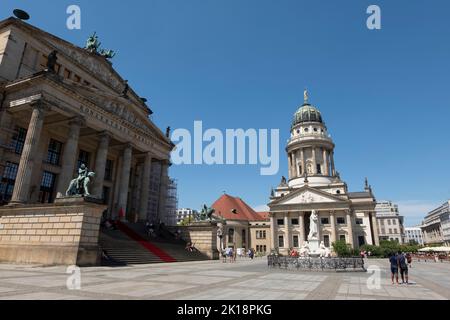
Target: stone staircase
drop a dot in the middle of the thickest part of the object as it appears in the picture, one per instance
(130, 245)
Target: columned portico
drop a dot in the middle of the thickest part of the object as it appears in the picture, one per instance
(318, 188)
(145, 186)
(124, 180)
(301, 222)
(69, 155)
(100, 163)
(333, 226)
(349, 227)
(163, 189)
(29, 153)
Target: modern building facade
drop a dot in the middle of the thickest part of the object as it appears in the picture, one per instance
(436, 225)
(390, 222)
(187, 214)
(63, 106)
(413, 235)
(315, 184)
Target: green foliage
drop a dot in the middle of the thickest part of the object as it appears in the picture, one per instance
(186, 221)
(342, 249)
(389, 247)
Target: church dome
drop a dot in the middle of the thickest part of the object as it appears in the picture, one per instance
(307, 113)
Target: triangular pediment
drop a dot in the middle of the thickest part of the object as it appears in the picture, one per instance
(307, 195)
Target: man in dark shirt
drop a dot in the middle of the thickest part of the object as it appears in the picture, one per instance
(394, 267)
(403, 267)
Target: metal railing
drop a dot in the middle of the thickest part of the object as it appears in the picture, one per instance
(304, 263)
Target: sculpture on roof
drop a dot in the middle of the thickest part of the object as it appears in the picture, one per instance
(51, 61)
(305, 96)
(93, 46)
(206, 213)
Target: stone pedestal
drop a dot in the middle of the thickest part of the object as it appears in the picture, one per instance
(61, 233)
(203, 235)
(314, 247)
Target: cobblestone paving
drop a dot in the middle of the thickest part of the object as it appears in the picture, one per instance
(214, 280)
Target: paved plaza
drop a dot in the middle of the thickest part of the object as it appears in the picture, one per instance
(215, 280)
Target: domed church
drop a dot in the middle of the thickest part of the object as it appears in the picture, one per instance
(315, 185)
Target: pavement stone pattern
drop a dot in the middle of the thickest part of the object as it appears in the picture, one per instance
(214, 280)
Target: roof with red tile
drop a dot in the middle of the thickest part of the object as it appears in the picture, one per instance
(234, 208)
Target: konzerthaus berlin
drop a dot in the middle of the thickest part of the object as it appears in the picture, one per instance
(57, 113)
(314, 184)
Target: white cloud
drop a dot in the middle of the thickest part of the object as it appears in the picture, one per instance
(415, 211)
(261, 208)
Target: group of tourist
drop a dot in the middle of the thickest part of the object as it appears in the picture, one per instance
(230, 254)
(399, 263)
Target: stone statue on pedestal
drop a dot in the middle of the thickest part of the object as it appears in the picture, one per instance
(313, 226)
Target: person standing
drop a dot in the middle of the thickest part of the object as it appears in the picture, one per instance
(409, 259)
(394, 267)
(403, 267)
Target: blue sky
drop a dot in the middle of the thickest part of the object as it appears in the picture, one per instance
(244, 64)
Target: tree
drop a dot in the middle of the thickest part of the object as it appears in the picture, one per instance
(342, 248)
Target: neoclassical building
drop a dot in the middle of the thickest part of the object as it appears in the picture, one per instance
(314, 184)
(57, 113)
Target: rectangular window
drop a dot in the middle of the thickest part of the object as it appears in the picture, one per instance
(76, 78)
(7, 182)
(280, 241)
(342, 237)
(394, 222)
(389, 222)
(18, 140)
(83, 158)
(361, 241)
(109, 170)
(280, 222)
(54, 152)
(264, 234)
(395, 230)
(47, 187)
(326, 240)
(264, 248)
(390, 231)
(319, 169)
(359, 221)
(295, 241)
(300, 170)
(324, 220)
(340, 220)
(294, 222)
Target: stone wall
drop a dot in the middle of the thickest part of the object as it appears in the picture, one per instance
(63, 233)
(203, 235)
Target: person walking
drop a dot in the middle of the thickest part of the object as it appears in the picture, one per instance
(394, 267)
(403, 267)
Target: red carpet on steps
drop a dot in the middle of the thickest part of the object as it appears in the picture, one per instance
(147, 245)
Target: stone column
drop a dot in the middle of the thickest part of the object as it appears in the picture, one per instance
(333, 171)
(301, 222)
(145, 187)
(350, 228)
(376, 240)
(302, 158)
(100, 164)
(29, 153)
(69, 156)
(287, 240)
(273, 231)
(314, 160)
(333, 227)
(290, 171)
(163, 191)
(124, 180)
(325, 162)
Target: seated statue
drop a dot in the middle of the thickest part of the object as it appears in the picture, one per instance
(80, 187)
(304, 250)
(324, 251)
